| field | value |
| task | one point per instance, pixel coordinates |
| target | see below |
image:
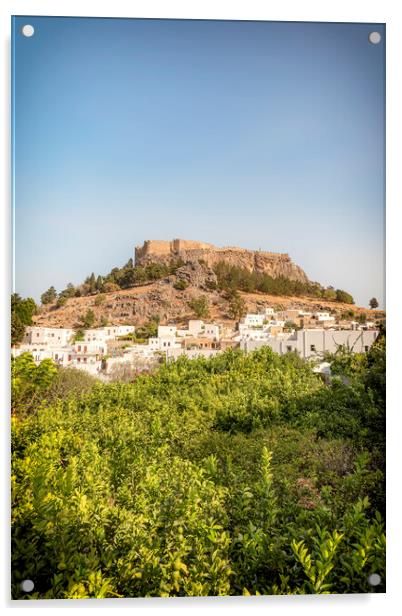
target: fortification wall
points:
(179, 245)
(164, 248)
(274, 264)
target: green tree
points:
(69, 291)
(79, 335)
(344, 297)
(373, 303)
(200, 306)
(111, 287)
(49, 296)
(90, 282)
(237, 306)
(128, 279)
(22, 311)
(17, 329)
(88, 320)
(99, 284)
(329, 294)
(149, 330)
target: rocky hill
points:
(162, 298)
(271, 263)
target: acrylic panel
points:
(198, 308)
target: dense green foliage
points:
(242, 474)
(342, 296)
(237, 307)
(22, 311)
(118, 278)
(49, 296)
(31, 383)
(87, 320)
(148, 330)
(200, 306)
(232, 277)
(128, 276)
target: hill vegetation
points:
(231, 277)
(22, 311)
(241, 474)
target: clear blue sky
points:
(258, 134)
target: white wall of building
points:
(47, 335)
(161, 343)
(195, 327)
(173, 354)
(254, 320)
(314, 342)
(166, 330)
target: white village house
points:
(199, 339)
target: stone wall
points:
(274, 264)
(168, 248)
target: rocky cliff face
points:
(271, 263)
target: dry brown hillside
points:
(160, 298)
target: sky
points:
(264, 135)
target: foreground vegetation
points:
(234, 475)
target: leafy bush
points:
(200, 306)
(100, 299)
(29, 381)
(240, 474)
(180, 284)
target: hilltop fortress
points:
(272, 263)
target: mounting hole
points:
(28, 30)
(374, 38)
(374, 579)
(27, 585)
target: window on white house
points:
(312, 348)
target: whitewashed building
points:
(48, 335)
(61, 355)
(315, 342)
(254, 320)
(102, 334)
(167, 330)
(324, 316)
(173, 354)
(161, 343)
